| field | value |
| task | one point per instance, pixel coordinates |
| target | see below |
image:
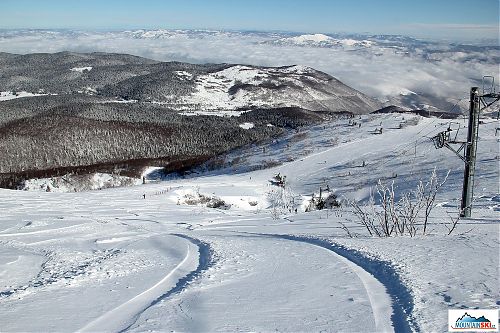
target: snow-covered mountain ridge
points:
(240, 87)
(322, 40)
(181, 86)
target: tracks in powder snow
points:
(390, 300)
(197, 259)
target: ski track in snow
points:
(390, 300)
(124, 316)
(44, 231)
(401, 298)
(228, 294)
(205, 261)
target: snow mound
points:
(183, 75)
(247, 125)
(81, 69)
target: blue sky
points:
(431, 18)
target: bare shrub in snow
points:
(366, 216)
(453, 221)
(278, 180)
(215, 202)
(399, 217)
(321, 202)
(281, 200)
(427, 194)
(208, 201)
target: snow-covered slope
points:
(157, 257)
(8, 95)
(240, 87)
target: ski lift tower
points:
(478, 102)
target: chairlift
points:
(456, 130)
(443, 138)
(488, 85)
(489, 96)
(440, 139)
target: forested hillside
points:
(70, 112)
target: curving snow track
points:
(390, 300)
(123, 316)
(268, 282)
(380, 300)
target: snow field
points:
(213, 90)
(251, 269)
(8, 95)
(81, 69)
(247, 125)
(278, 267)
(124, 315)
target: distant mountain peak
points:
(317, 38)
(322, 40)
